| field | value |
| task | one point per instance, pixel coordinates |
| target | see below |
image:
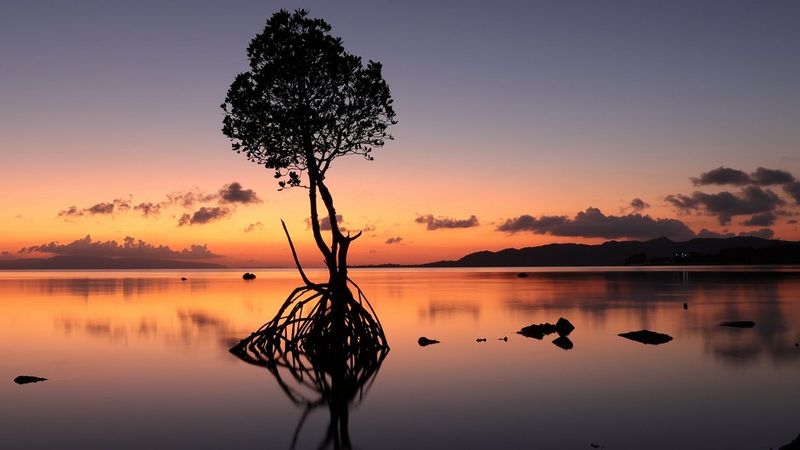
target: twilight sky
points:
(520, 123)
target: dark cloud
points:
(70, 212)
(724, 205)
(253, 227)
(793, 189)
(189, 199)
(766, 219)
(764, 233)
(593, 223)
(394, 240)
(325, 223)
(233, 193)
(204, 215)
(638, 204)
(721, 176)
(100, 208)
(768, 177)
(704, 233)
(129, 248)
(435, 223)
(148, 209)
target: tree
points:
(305, 102)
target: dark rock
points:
(564, 327)
(504, 339)
(685, 306)
(797, 344)
(522, 275)
(738, 324)
(25, 379)
(593, 445)
(794, 445)
(537, 331)
(563, 342)
(423, 341)
(647, 337)
(480, 340)
(249, 276)
(184, 278)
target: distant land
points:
(99, 262)
(661, 251)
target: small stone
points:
(685, 306)
(522, 275)
(564, 327)
(504, 339)
(647, 337)
(738, 324)
(249, 276)
(423, 341)
(25, 379)
(184, 278)
(480, 340)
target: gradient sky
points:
(505, 109)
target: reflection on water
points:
(140, 360)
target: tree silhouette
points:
(304, 102)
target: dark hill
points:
(98, 262)
(737, 250)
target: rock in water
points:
(564, 327)
(249, 276)
(738, 324)
(504, 339)
(647, 337)
(563, 342)
(184, 278)
(537, 331)
(423, 341)
(522, 275)
(685, 306)
(25, 379)
(476, 340)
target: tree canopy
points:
(305, 101)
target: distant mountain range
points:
(99, 262)
(661, 251)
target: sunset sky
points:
(520, 124)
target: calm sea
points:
(139, 360)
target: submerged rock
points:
(480, 340)
(423, 341)
(504, 339)
(564, 327)
(25, 379)
(563, 342)
(685, 306)
(647, 337)
(249, 276)
(184, 278)
(538, 331)
(738, 324)
(522, 275)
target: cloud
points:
(638, 204)
(233, 193)
(593, 223)
(70, 212)
(724, 205)
(721, 176)
(188, 199)
(791, 222)
(436, 223)
(204, 215)
(769, 177)
(325, 223)
(766, 219)
(148, 209)
(128, 248)
(704, 233)
(764, 233)
(100, 208)
(254, 227)
(394, 240)
(793, 189)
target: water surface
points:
(140, 360)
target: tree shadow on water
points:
(317, 359)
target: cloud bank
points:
(128, 248)
(437, 223)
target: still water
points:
(140, 360)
